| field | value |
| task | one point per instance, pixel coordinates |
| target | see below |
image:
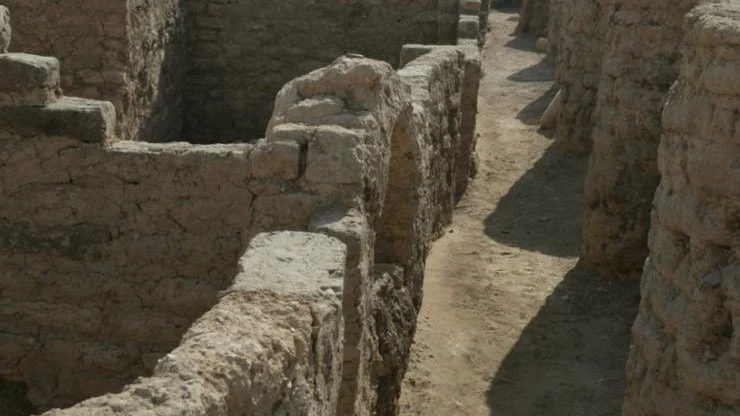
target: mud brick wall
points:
(577, 29)
(127, 52)
(109, 255)
(243, 53)
(686, 339)
(640, 63)
(279, 324)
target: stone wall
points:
(271, 345)
(686, 339)
(242, 53)
(639, 65)
(576, 30)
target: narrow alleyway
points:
(511, 325)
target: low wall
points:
(639, 65)
(686, 339)
(272, 345)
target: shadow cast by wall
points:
(522, 42)
(543, 71)
(570, 359)
(532, 113)
(542, 210)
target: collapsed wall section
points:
(686, 339)
(638, 68)
(106, 232)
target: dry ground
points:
(511, 325)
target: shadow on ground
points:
(570, 359)
(542, 211)
(543, 71)
(533, 111)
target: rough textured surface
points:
(28, 80)
(638, 68)
(5, 29)
(686, 339)
(271, 345)
(577, 29)
(211, 66)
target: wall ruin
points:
(686, 339)
(639, 66)
(577, 32)
(666, 138)
(207, 70)
(138, 240)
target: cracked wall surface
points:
(208, 70)
(533, 17)
(686, 339)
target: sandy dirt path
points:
(511, 324)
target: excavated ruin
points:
(215, 208)
(208, 231)
(665, 163)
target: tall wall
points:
(127, 52)
(533, 17)
(577, 29)
(686, 339)
(642, 50)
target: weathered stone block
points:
(28, 80)
(336, 156)
(276, 159)
(76, 118)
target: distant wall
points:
(242, 53)
(685, 358)
(577, 30)
(128, 52)
(640, 63)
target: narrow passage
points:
(511, 325)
